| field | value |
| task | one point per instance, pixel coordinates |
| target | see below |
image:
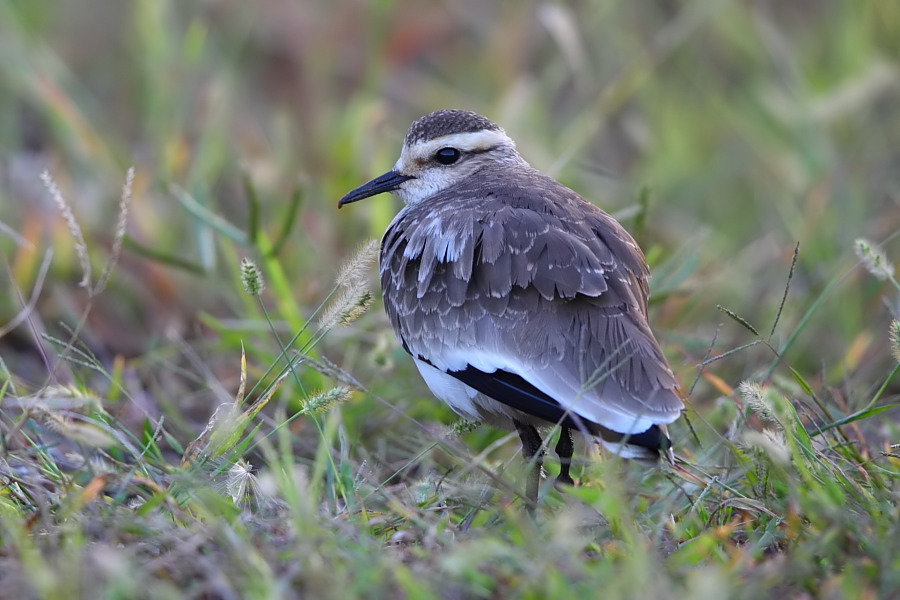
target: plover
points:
(522, 304)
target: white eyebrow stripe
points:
(472, 141)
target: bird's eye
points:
(447, 156)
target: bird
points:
(522, 304)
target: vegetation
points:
(196, 401)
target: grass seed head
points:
(356, 309)
(769, 443)
(894, 330)
(874, 259)
(354, 272)
(758, 400)
(463, 426)
(74, 228)
(325, 400)
(252, 277)
(83, 432)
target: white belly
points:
(464, 400)
(469, 403)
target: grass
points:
(165, 432)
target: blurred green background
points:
(722, 133)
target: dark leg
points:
(564, 449)
(534, 456)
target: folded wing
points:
(538, 304)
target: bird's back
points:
(519, 279)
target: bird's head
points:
(440, 150)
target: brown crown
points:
(447, 122)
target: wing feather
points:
(544, 287)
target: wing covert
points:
(555, 291)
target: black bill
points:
(388, 182)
